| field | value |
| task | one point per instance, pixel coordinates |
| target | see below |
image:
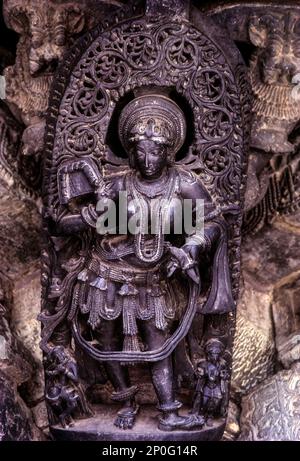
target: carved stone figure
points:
(271, 306)
(274, 66)
(125, 278)
(269, 37)
(274, 73)
(273, 69)
(120, 297)
(212, 390)
(63, 392)
(47, 29)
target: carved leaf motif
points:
(216, 159)
(216, 124)
(111, 70)
(131, 55)
(140, 51)
(181, 53)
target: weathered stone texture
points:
(271, 411)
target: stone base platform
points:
(101, 428)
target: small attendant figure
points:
(211, 394)
(63, 392)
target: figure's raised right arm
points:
(81, 187)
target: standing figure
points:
(125, 297)
(143, 200)
(63, 393)
(211, 394)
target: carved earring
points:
(170, 156)
(131, 157)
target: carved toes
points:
(125, 422)
(126, 418)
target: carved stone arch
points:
(107, 63)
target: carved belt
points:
(125, 274)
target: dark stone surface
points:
(145, 429)
(19, 231)
(14, 422)
(270, 256)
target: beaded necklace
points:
(147, 250)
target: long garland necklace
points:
(158, 209)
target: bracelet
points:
(89, 216)
(200, 240)
(189, 264)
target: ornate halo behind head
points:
(152, 117)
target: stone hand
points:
(180, 259)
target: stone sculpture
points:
(161, 89)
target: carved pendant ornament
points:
(148, 114)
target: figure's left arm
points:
(206, 226)
(206, 229)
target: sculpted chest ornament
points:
(135, 119)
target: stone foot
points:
(126, 417)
